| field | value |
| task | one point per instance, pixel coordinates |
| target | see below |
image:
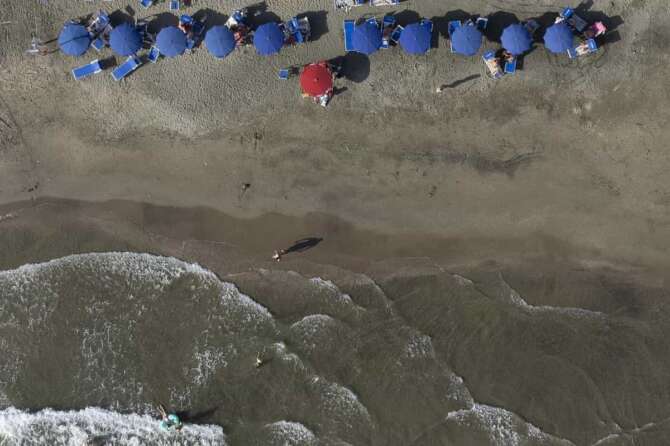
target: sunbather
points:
(595, 30)
(507, 56)
(582, 48)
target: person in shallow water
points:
(170, 421)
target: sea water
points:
(91, 344)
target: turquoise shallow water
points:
(416, 355)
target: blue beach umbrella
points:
(367, 38)
(558, 38)
(415, 39)
(466, 40)
(171, 41)
(125, 40)
(219, 41)
(268, 39)
(74, 40)
(516, 39)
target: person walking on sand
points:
(277, 255)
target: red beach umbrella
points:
(316, 79)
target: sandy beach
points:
(554, 178)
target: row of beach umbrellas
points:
(125, 40)
(465, 40)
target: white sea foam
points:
(98, 427)
(503, 428)
(288, 433)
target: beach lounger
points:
(174, 5)
(126, 68)
(591, 47)
(346, 5)
(98, 44)
(384, 2)
(452, 26)
(372, 21)
(299, 29)
(492, 64)
(349, 35)
(87, 70)
(510, 67)
(427, 24)
(531, 26)
(283, 73)
(571, 17)
(388, 23)
(481, 23)
(153, 55)
(146, 3)
(395, 35)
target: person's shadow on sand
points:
(303, 245)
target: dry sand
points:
(570, 150)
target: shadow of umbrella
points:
(318, 23)
(210, 17)
(162, 20)
(355, 67)
(498, 21)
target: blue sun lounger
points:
(283, 73)
(493, 68)
(87, 70)
(387, 24)
(174, 5)
(98, 44)
(126, 68)
(576, 22)
(452, 26)
(510, 67)
(395, 35)
(427, 24)
(349, 26)
(592, 47)
(146, 3)
(481, 23)
(154, 54)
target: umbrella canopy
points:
(219, 41)
(171, 41)
(415, 39)
(125, 40)
(268, 39)
(516, 39)
(367, 38)
(316, 79)
(466, 40)
(558, 38)
(74, 40)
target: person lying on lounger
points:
(582, 48)
(595, 30)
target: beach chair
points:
(126, 68)
(531, 26)
(571, 17)
(395, 35)
(185, 19)
(510, 66)
(154, 54)
(388, 23)
(481, 23)
(87, 70)
(349, 26)
(582, 50)
(492, 64)
(427, 24)
(283, 73)
(372, 21)
(174, 5)
(98, 44)
(452, 26)
(236, 18)
(146, 3)
(384, 2)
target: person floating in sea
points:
(169, 422)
